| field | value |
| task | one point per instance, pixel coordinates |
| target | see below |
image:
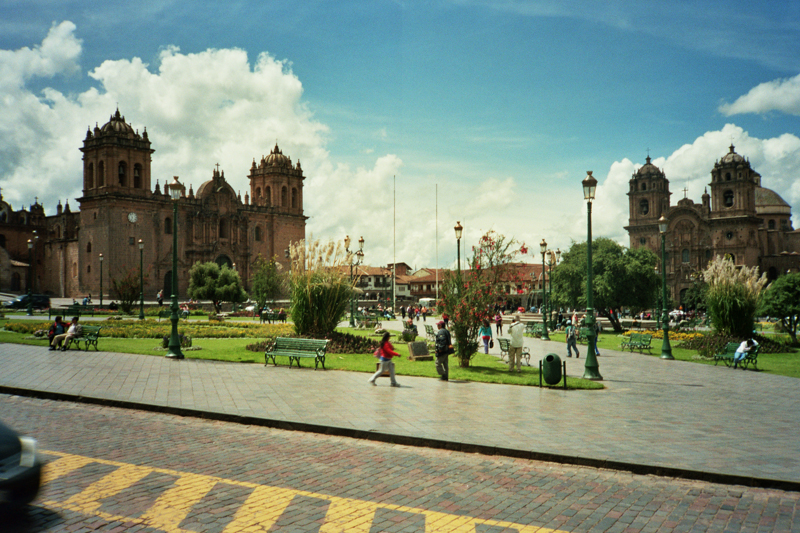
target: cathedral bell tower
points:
(648, 199)
(116, 159)
(733, 186)
(275, 183)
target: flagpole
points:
(437, 243)
(394, 244)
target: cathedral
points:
(736, 217)
(123, 218)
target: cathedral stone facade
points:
(739, 218)
(120, 207)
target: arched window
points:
(2, 241)
(168, 226)
(771, 224)
(644, 186)
(258, 233)
(685, 255)
(90, 176)
(88, 269)
(58, 232)
(258, 195)
(727, 198)
(224, 228)
(294, 198)
(74, 270)
(88, 247)
(268, 196)
(284, 194)
(644, 206)
(727, 176)
(122, 172)
(101, 174)
(137, 176)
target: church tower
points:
(733, 187)
(116, 159)
(648, 199)
(274, 182)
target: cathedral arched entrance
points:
(224, 260)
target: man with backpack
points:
(572, 340)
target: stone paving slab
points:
(655, 416)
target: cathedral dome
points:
(732, 157)
(649, 170)
(770, 202)
(276, 158)
(117, 124)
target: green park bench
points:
(727, 355)
(630, 340)
(68, 311)
(534, 329)
(583, 335)
(89, 336)
(296, 349)
(505, 343)
(430, 333)
(269, 317)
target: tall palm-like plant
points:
(733, 296)
(321, 287)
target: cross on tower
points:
(217, 165)
(685, 191)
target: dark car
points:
(40, 301)
(20, 469)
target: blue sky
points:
(503, 105)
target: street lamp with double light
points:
(141, 281)
(101, 281)
(545, 335)
(174, 349)
(591, 368)
(666, 349)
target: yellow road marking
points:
(260, 511)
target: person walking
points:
(403, 312)
(516, 329)
(444, 347)
(485, 334)
(160, 297)
(572, 340)
(498, 320)
(384, 353)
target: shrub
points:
(732, 296)
(321, 287)
(186, 341)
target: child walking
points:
(385, 353)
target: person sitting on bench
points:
(65, 338)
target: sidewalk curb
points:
(695, 475)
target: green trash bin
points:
(551, 369)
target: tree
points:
(621, 278)
(782, 300)
(321, 287)
(268, 281)
(209, 281)
(733, 296)
(127, 289)
(469, 296)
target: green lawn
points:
(483, 368)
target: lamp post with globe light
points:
(545, 335)
(666, 349)
(591, 368)
(359, 257)
(459, 230)
(101, 281)
(174, 349)
(30, 277)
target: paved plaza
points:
(654, 416)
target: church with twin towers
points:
(121, 206)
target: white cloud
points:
(776, 95)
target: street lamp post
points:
(666, 349)
(545, 335)
(359, 254)
(174, 349)
(555, 259)
(101, 280)
(30, 277)
(591, 368)
(141, 281)
(459, 229)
